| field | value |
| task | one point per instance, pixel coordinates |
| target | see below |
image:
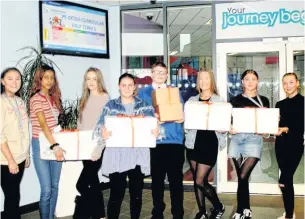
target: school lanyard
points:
(17, 111)
(260, 104)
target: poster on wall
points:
(259, 19)
(73, 29)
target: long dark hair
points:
(4, 72)
(249, 71)
(127, 75)
(54, 91)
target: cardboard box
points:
(167, 104)
(212, 116)
(131, 131)
(170, 95)
(256, 120)
(170, 112)
(78, 145)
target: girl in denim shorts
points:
(246, 148)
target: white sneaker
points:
(284, 216)
(247, 214)
(236, 216)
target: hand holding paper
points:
(105, 134)
(155, 132)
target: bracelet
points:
(54, 145)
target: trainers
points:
(217, 213)
(201, 215)
(237, 216)
(247, 214)
(284, 216)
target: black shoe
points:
(201, 215)
(217, 213)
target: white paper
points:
(244, 120)
(121, 129)
(196, 116)
(267, 120)
(77, 145)
(143, 132)
(220, 117)
(67, 191)
(121, 132)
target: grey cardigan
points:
(190, 135)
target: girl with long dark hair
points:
(15, 141)
(45, 106)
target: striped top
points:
(39, 103)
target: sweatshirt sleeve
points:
(3, 123)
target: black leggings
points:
(89, 187)
(288, 161)
(118, 185)
(202, 187)
(244, 167)
(10, 184)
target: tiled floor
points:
(263, 207)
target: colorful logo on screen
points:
(238, 17)
(56, 21)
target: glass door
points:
(295, 63)
(269, 60)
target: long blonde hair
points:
(213, 83)
(86, 92)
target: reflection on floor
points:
(263, 207)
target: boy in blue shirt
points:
(168, 156)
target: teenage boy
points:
(168, 156)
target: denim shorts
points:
(246, 145)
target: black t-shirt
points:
(241, 102)
(292, 116)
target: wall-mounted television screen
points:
(72, 29)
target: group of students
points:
(167, 158)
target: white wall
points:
(19, 28)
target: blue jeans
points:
(48, 172)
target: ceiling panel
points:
(185, 20)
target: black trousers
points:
(288, 157)
(89, 187)
(118, 185)
(10, 184)
(167, 159)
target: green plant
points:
(68, 118)
(33, 60)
